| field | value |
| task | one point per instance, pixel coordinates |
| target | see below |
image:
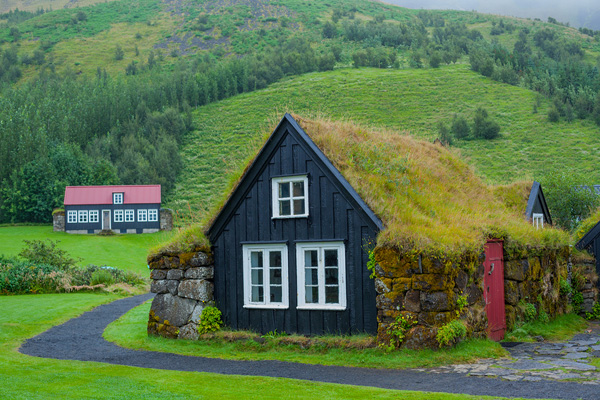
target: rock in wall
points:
(166, 219)
(183, 284)
(58, 221)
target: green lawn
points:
(127, 252)
(408, 101)
(25, 377)
(130, 331)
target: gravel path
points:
(81, 339)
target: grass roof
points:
(429, 199)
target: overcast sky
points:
(578, 13)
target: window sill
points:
(267, 306)
(322, 308)
(290, 216)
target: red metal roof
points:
(132, 194)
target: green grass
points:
(409, 101)
(562, 328)
(25, 377)
(127, 252)
(130, 331)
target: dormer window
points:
(117, 198)
(538, 220)
(290, 196)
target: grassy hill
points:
(409, 101)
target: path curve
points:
(81, 339)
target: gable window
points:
(321, 276)
(265, 276)
(72, 217)
(290, 196)
(82, 216)
(153, 215)
(118, 215)
(129, 215)
(538, 220)
(142, 215)
(94, 216)
(117, 198)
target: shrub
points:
(451, 332)
(444, 134)
(553, 115)
(483, 126)
(529, 311)
(102, 277)
(21, 277)
(595, 314)
(46, 252)
(565, 287)
(397, 330)
(460, 127)
(210, 320)
(543, 317)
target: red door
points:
(493, 291)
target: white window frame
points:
(537, 219)
(142, 215)
(275, 195)
(82, 216)
(129, 215)
(118, 216)
(300, 272)
(266, 303)
(152, 215)
(72, 217)
(94, 217)
(118, 198)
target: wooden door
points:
(105, 219)
(493, 291)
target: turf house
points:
(117, 208)
(537, 210)
(334, 228)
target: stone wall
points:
(58, 221)
(584, 271)
(183, 284)
(166, 219)
(426, 289)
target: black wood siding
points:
(331, 216)
(116, 226)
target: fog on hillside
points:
(578, 13)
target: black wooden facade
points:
(335, 213)
(119, 227)
(536, 204)
(591, 242)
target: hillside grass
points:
(34, 5)
(408, 101)
(25, 377)
(126, 252)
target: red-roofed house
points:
(120, 208)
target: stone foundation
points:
(426, 289)
(587, 282)
(183, 284)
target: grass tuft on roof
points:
(429, 200)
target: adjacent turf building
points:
(337, 228)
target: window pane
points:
(331, 258)
(298, 189)
(275, 259)
(312, 294)
(331, 276)
(275, 276)
(276, 294)
(256, 260)
(311, 276)
(257, 293)
(298, 207)
(284, 207)
(284, 190)
(332, 294)
(311, 258)
(256, 276)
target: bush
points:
(460, 127)
(451, 332)
(444, 134)
(210, 320)
(22, 277)
(397, 331)
(102, 277)
(553, 115)
(483, 126)
(46, 252)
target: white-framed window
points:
(290, 196)
(72, 217)
(321, 275)
(94, 216)
(82, 216)
(538, 220)
(117, 198)
(153, 215)
(142, 215)
(266, 283)
(118, 215)
(129, 215)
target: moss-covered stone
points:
(511, 292)
(401, 284)
(511, 316)
(432, 282)
(515, 270)
(435, 266)
(420, 337)
(412, 301)
(383, 285)
(435, 318)
(438, 301)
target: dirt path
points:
(81, 339)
